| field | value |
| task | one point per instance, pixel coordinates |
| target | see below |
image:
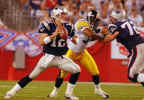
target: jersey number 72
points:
(130, 27)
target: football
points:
(64, 36)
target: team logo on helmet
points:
(118, 14)
(91, 15)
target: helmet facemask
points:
(91, 16)
(60, 14)
(56, 13)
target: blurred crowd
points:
(134, 9)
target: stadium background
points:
(19, 18)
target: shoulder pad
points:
(70, 29)
(46, 24)
(69, 25)
(112, 28)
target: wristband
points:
(47, 40)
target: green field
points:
(39, 91)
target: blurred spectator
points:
(129, 4)
(134, 16)
(22, 2)
(75, 15)
(104, 12)
(85, 7)
(77, 3)
(35, 7)
(97, 3)
(79, 8)
(2, 24)
(140, 3)
(35, 4)
(69, 5)
(142, 14)
(49, 5)
(65, 3)
(83, 10)
(90, 5)
(116, 5)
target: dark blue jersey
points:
(128, 35)
(57, 46)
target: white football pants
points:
(136, 64)
(48, 61)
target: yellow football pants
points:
(85, 60)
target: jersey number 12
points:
(58, 43)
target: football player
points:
(125, 33)
(53, 39)
(86, 31)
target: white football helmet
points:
(56, 12)
(118, 14)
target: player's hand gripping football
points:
(61, 30)
(58, 29)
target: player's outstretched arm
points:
(98, 36)
(110, 37)
(87, 31)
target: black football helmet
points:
(92, 16)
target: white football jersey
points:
(81, 39)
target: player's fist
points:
(104, 30)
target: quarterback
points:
(54, 48)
